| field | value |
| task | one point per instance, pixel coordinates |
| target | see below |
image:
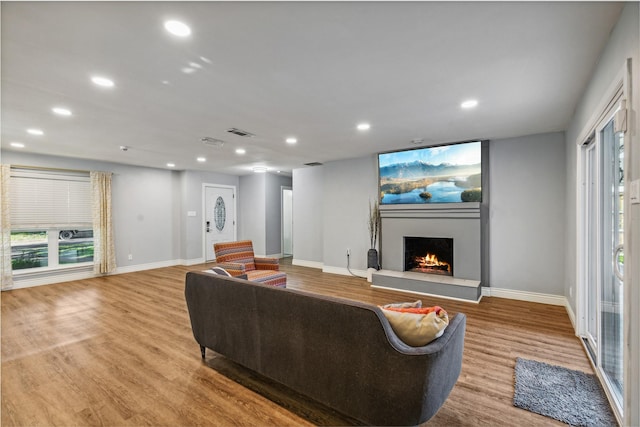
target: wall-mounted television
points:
(449, 173)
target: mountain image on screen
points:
(444, 174)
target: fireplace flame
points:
(432, 261)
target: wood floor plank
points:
(119, 350)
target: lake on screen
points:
(441, 192)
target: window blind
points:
(50, 199)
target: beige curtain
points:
(6, 275)
(104, 255)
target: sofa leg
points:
(203, 349)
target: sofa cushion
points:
(417, 326)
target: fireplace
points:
(432, 255)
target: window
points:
(51, 222)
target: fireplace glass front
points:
(432, 255)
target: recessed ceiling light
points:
(207, 60)
(201, 159)
(165, 82)
(291, 140)
(240, 151)
(35, 132)
(17, 144)
(364, 126)
(102, 81)
(470, 103)
(177, 28)
(171, 165)
(259, 169)
(194, 65)
(61, 111)
(188, 70)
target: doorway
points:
(287, 221)
(601, 306)
(219, 222)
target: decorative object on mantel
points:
(374, 230)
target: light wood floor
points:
(119, 351)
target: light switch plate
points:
(191, 213)
(634, 192)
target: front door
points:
(219, 217)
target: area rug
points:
(573, 397)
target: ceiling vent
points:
(313, 164)
(207, 140)
(240, 132)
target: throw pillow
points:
(221, 271)
(414, 304)
(417, 326)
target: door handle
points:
(208, 228)
(616, 264)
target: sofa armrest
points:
(234, 268)
(267, 263)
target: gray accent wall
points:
(623, 43)
(273, 211)
(308, 222)
(192, 227)
(349, 186)
(527, 213)
(260, 211)
(149, 207)
(251, 211)
(146, 205)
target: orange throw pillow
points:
(417, 326)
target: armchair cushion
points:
(267, 263)
(240, 252)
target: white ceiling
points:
(312, 70)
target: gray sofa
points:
(338, 352)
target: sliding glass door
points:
(603, 255)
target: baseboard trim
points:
(571, 314)
(193, 261)
(148, 266)
(489, 291)
(50, 279)
(304, 263)
(344, 272)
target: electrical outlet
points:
(130, 257)
(348, 251)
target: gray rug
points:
(573, 397)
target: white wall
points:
(308, 223)
(527, 213)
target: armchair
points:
(238, 259)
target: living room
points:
(532, 194)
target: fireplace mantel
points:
(459, 221)
(440, 210)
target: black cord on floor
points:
(349, 269)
